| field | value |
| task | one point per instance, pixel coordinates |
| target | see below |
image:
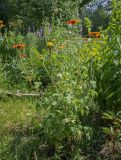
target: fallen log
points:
(19, 94)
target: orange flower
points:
(19, 46)
(23, 56)
(73, 21)
(94, 34)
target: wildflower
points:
(23, 56)
(50, 44)
(14, 46)
(61, 46)
(73, 21)
(94, 34)
(97, 34)
(19, 46)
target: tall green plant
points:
(108, 72)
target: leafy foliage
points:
(78, 112)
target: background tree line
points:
(26, 13)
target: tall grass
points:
(17, 118)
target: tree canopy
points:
(34, 11)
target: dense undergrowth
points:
(78, 115)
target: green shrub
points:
(108, 70)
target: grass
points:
(15, 113)
(17, 120)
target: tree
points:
(33, 12)
(99, 13)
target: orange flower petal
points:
(72, 22)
